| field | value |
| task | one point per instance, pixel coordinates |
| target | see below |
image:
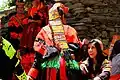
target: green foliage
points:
(7, 4)
(11, 3)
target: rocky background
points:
(94, 18)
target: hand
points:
(51, 52)
(30, 20)
(83, 68)
(29, 78)
(96, 78)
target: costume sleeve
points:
(73, 42)
(33, 72)
(71, 35)
(36, 66)
(39, 43)
(106, 69)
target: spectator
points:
(115, 58)
(96, 66)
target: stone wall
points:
(94, 18)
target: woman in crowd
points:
(115, 58)
(96, 66)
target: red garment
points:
(63, 69)
(15, 23)
(32, 28)
(30, 31)
(115, 77)
(27, 61)
(46, 35)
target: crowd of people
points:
(39, 45)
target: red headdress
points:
(20, 3)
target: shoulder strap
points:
(18, 22)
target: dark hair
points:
(99, 57)
(116, 49)
(20, 1)
(60, 11)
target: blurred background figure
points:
(83, 51)
(115, 58)
(9, 63)
(37, 18)
(114, 38)
(15, 25)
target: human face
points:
(20, 9)
(92, 51)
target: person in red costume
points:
(37, 18)
(15, 25)
(54, 45)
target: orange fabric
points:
(115, 77)
(115, 38)
(33, 73)
(33, 10)
(46, 35)
(32, 28)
